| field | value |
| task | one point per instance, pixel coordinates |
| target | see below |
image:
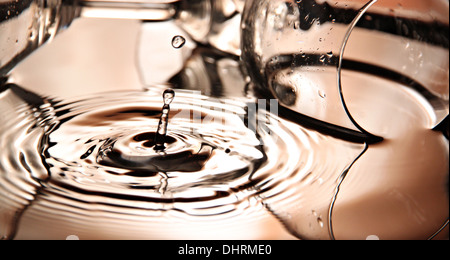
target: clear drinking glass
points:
(376, 68)
(306, 53)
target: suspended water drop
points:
(178, 41)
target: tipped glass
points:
(321, 59)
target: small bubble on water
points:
(178, 41)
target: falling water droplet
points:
(178, 41)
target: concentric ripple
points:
(222, 159)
